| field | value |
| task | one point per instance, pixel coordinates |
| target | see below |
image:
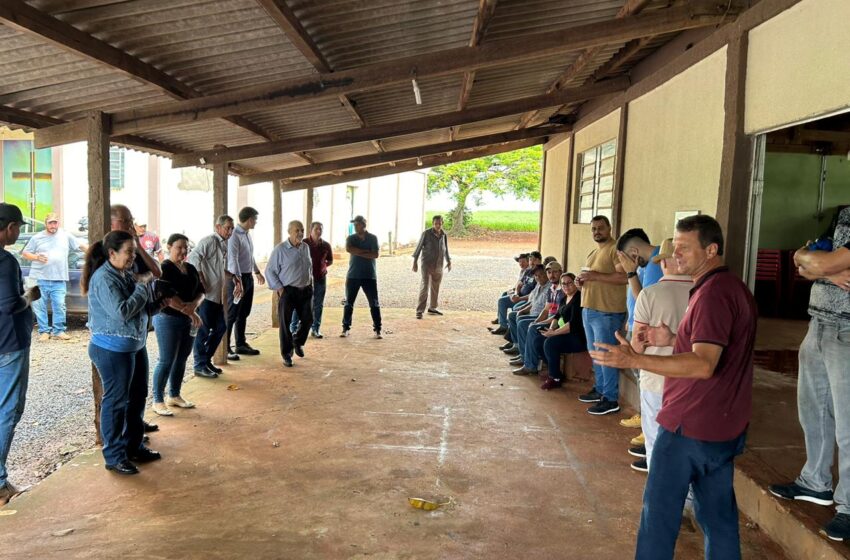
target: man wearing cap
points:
(15, 334)
(504, 302)
(48, 251)
(149, 241)
(362, 274)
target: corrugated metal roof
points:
(397, 103)
(514, 18)
(514, 81)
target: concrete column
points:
(277, 217)
(154, 190)
(219, 208)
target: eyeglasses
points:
(567, 283)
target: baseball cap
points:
(665, 251)
(359, 219)
(535, 255)
(10, 213)
(51, 217)
(554, 264)
(521, 256)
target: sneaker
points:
(317, 334)
(179, 402)
(418, 315)
(516, 361)
(62, 336)
(839, 528)
(378, 334)
(512, 351)
(8, 492)
(524, 371)
(592, 396)
(604, 407)
(550, 384)
(44, 337)
(299, 351)
(639, 440)
(639, 451)
(506, 346)
(435, 311)
(794, 491)
(640, 465)
(216, 370)
(161, 409)
(232, 357)
(345, 333)
(633, 422)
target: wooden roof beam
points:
(401, 128)
(401, 155)
(286, 20)
(486, 10)
(698, 13)
(358, 118)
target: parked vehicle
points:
(75, 302)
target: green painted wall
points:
(790, 202)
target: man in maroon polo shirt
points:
(323, 257)
(707, 399)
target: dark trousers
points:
(125, 389)
(320, 286)
(554, 346)
(293, 300)
(237, 313)
(370, 289)
(680, 462)
(174, 336)
(210, 332)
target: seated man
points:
(528, 357)
(522, 317)
(519, 295)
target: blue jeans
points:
(522, 325)
(125, 389)
(14, 376)
(370, 289)
(823, 391)
(680, 462)
(319, 289)
(533, 349)
(210, 332)
(503, 305)
(173, 334)
(554, 346)
(53, 294)
(601, 327)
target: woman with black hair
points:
(175, 327)
(119, 313)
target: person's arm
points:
(329, 260)
(842, 280)
(543, 315)
(448, 256)
(618, 278)
(629, 266)
(273, 269)
(366, 254)
(11, 301)
(150, 262)
(233, 250)
(821, 264)
(28, 252)
(127, 307)
(418, 249)
(700, 363)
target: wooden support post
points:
(97, 136)
(308, 209)
(277, 217)
(219, 208)
(620, 169)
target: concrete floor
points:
(318, 462)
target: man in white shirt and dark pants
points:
(290, 274)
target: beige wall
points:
(798, 65)
(554, 211)
(673, 148)
(580, 241)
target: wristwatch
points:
(631, 274)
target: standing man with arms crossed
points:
(290, 274)
(707, 402)
(15, 338)
(210, 258)
(240, 264)
(48, 251)
(362, 273)
(434, 248)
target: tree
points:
(517, 173)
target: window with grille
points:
(116, 167)
(595, 180)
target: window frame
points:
(117, 167)
(595, 182)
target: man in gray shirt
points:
(434, 248)
(210, 258)
(48, 251)
(290, 274)
(362, 273)
(240, 264)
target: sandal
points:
(180, 403)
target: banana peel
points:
(426, 505)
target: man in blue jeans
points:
(823, 386)
(15, 335)
(362, 274)
(322, 255)
(603, 299)
(707, 402)
(48, 251)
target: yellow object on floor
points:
(639, 440)
(633, 422)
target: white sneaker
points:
(378, 334)
(345, 333)
(161, 409)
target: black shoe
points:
(299, 351)
(794, 491)
(517, 361)
(639, 451)
(145, 455)
(205, 372)
(839, 528)
(512, 351)
(246, 350)
(145, 439)
(592, 396)
(150, 427)
(506, 345)
(287, 360)
(640, 465)
(500, 330)
(434, 312)
(233, 356)
(495, 321)
(214, 369)
(604, 407)
(124, 467)
(418, 315)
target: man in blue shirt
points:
(240, 266)
(362, 273)
(15, 335)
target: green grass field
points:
(499, 221)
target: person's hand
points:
(237, 290)
(842, 280)
(196, 320)
(261, 280)
(514, 298)
(449, 266)
(800, 251)
(415, 266)
(587, 276)
(627, 263)
(33, 294)
(621, 356)
(660, 336)
(145, 278)
(547, 332)
(42, 258)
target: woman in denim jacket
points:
(119, 313)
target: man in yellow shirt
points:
(603, 298)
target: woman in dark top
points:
(175, 326)
(565, 334)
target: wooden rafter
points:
(359, 119)
(401, 128)
(401, 155)
(698, 13)
(25, 18)
(428, 161)
(630, 8)
(624, 55)
(486, 9)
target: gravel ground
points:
(57, 421)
